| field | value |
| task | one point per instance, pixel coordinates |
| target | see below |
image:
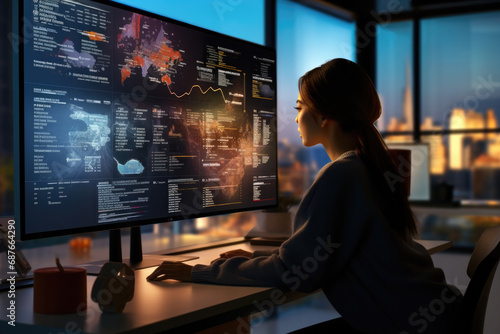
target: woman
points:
(353, 230)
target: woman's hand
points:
(171, 270)
(233, 253)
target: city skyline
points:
(469, 161)
(456, 153)
(459, 65)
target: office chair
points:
(481, 269)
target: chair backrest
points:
(481, 269)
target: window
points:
(459, 101)
(461, 91)
(238, 18)
(460, 71)
(306, 38)
(394, 77)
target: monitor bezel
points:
(20, 123)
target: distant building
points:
(408, 100)
(455, 142)
(491, 123)
(396, 125)
(464, 148)
(436, 147)
(494, 145)
(486, 177)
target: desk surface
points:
(157, 306)
(464, 210)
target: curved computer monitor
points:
(129, 118)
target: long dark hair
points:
(341, 90)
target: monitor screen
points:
(130, 118)
(420, 188)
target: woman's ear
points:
(324, 121)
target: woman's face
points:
(309, 123)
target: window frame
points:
(416, 16)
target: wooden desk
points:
(158, 306)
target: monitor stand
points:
(137, 260)
(272, 229)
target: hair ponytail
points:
(373, 151)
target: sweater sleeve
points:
(265, 252)
(308, 256)
(258, 271)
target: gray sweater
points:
(342, 244)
